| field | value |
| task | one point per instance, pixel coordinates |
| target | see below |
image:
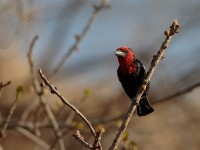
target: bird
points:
(131, 73)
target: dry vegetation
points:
(37, 113)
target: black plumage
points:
(131, 83)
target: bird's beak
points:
(120, 53)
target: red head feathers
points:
(126, 59)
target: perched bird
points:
(131, 73)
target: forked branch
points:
(54, 90)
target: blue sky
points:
(137, 24)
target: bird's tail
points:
(144, 108)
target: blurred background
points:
(88, 78)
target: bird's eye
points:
(126, 51)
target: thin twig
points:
(29, 55)
(98, 138)
(55, 91)
(71, 114)
(32, 104)
(2, 85)
(183, 91)
(80, 37)
(174, 28)
(80, 138)
(40, 95)
(108, 119)
(11, 112)
(33, 138)
(30, 125)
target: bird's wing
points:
(140, 66)
(142, 71)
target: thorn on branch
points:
(42, 84)
(52, 91)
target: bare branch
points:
(55, 91)
(32, 104)
(30, 125)
(33, 138)
(11, 112)
(108, 119)
(71, 114)
(29, 55)
(174, 28)
(183, 91)
(98, 138)
(40, 95)
(80, 138)
(2, 85)
(80, 37)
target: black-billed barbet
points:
(131, 73)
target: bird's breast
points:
(130, 83)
